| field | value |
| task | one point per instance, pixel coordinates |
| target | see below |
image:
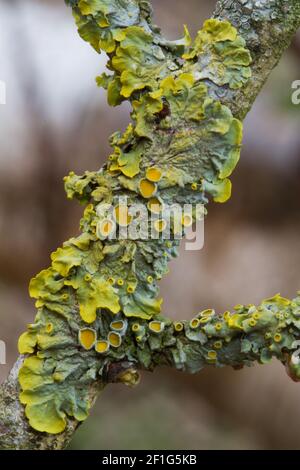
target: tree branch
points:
(98, 317)
(268, 27)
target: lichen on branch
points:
(98, 304)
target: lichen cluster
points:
(98, 303)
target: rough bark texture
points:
(15, 432)
(267, 26)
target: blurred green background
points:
(56, 120)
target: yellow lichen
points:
(135, 327)
(277, 337)
(154, 205)
(226, 315)
(153, 174)
(178, 326)
(49, 328)
(119, 325)
(212, 355)
(130, 377)
(147, 188)
(105, 228)
(87, 338)
(187, 220)
(114, 339)
(194, 323)
(102, 346)
(204, 319)
(122, 215)
(160, 225)
(156, 326)
(173, 116)
(27, 342)
(207, 312)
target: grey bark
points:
(268, 27)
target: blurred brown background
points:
(56, 120)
